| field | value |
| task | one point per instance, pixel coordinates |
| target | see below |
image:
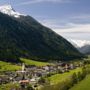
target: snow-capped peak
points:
(79, 43)
(7, 9)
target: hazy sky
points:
(69, 18)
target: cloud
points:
(78, 31)
(75, 28)
(40, 1)
(82, 16)
(69, 30)
(56, 23)
(77, 25)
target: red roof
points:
(24, 81)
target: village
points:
(33, 75)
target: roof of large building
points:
(24, 81)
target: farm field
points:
(83, 85)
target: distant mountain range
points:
(82, 45)
(23, 36)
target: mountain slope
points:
(85, 49)
(82, 45)
(25, 37)
(79, 43)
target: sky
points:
(69, 18)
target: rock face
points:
(25, 37)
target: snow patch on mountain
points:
(7, 9)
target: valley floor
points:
(55, 78)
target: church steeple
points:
(23, 67)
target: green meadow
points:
(5, 66)
(54, 79)
(32, 62)
(9, 86)
(83, 85)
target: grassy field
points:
(31, 62)
(4, 66)
(61, 77)
(9, 86)
(83, 85)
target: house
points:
(23, 83)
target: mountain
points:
(7, 9)
(85, 49)
(23, 36)
(82, 45)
